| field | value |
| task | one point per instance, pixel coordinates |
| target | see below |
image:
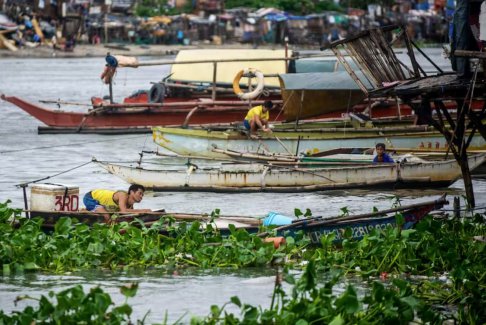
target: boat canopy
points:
(311, 94)
(226, 71)
(339, 80)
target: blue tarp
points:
(276, 17)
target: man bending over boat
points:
(257, 117)
(381, 155)
(101, 200)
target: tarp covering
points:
(339, 80)
(312, 94)
(226, 71)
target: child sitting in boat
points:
(257, 117)
(381, 155)
(101, 200)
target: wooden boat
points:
(255, 177)
(360, 225)
(113, 116)
(202, 142)
(91, 218)
(316, 227)
(188, 96)
(334, 156)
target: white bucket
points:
(53, 197)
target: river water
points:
(26, 156)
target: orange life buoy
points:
(255, 92)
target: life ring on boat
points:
(255, 92)
(156, 93)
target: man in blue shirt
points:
(381, 156)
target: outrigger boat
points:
(133, 117)
(258, 177)
(351, 227)
(206, 87)
(208, 142)
(333, 156)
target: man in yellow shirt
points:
(258, 116)
(101, 200)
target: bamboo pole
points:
(165, 62)
(162, 214)
(187, 103)
(215, 70)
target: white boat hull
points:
(259, 177)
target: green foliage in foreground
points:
(74, 307)
(308, 303)
(435, 247)
(73, 246)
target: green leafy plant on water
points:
(74, 306)
(299, 214)
(433, 248)
(436, 247)
(72, 246)
(307, 303)
(311, 303)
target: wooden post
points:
(286, 54)
(399, 111)
(466, 176)
(215, 70)
(457, 206)
(300, 109)
(24, 191)
(456, 143)
(110, 87)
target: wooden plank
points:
(470, 54)
(37, 29)
(7, 44)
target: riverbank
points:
(100, 50)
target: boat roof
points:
(322, 64)
(339, 80)
(226, 71)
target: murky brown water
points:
(27, 156)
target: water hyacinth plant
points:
(74, 306)
(73, 246)
(407, 273)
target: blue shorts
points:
(246, 123)
(90, 203)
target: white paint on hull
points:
(259, 177)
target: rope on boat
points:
(70, 144)
(51, 176)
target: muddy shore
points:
(84, 50)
